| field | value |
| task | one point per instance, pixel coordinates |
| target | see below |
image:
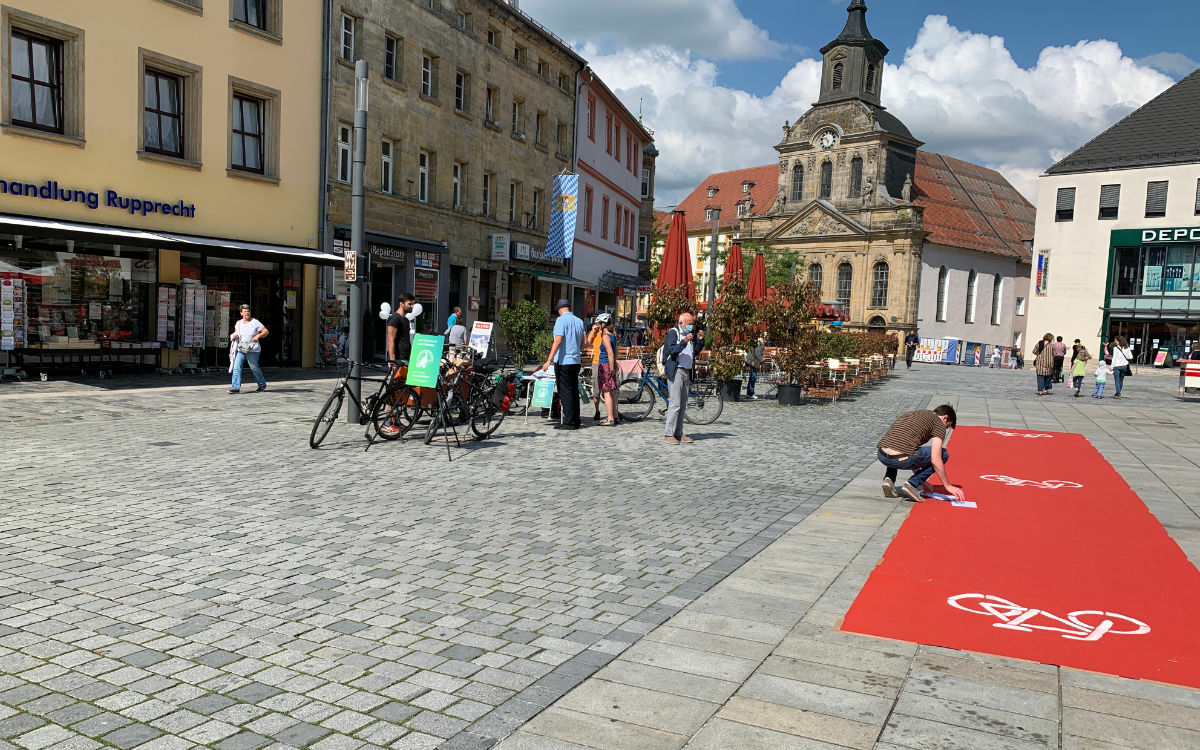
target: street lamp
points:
(357, 232)
(712, 258)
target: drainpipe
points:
(326, 93)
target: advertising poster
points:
(481, 336)
(1042, 273)
(543, 394)
(425, 361)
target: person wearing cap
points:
(566, 356)
(594, 336)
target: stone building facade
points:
(471, 114)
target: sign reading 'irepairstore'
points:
(50, 190)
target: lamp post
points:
(712, 259)
(357, 231)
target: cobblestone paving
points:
(179, 569)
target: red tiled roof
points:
(971, 207)
(765, 181)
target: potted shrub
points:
(725, 365)
(521, 323)
(732, 323)
(787, 313)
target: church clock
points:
(827, 140)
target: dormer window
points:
(837, 76)
(746, 185)
(712, 191)
(709, 214)
(742, 209)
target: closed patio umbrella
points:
(757, 288)
(676, 268)
(734, 268)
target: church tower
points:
(853, 62)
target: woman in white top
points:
(1122, 357)
(247, 332)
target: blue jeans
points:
(250, 358)
(752, 381)
(1045, 382)
(919, 463)
(1118, 374)
(1099, 392)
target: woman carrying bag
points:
(1043, 364)
(247, 332)
(1122, 356)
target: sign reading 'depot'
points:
(50, 190)
(1171, 234)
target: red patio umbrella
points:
(734, 268)
(676, 267)
(758, 277)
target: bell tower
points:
(853, 62)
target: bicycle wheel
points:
(329, 414)
(400, 407)
(705, 402)
(635, 399)
(485, 417)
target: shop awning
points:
(550, 275)
(120, 235)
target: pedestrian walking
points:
(755, 358)
(680, 349)
(911, 342)
(1118, 349)
(455, 317)
(1102, 371)
(1060, 354)
(1043, 364)
(1079, 367)
(594, 336)
(606, 369)
(566, 356)
(247, 332)
(456, 335)
(995, 358)
(903, 447)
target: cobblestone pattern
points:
(179, 569)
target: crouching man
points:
(903, 446)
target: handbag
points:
(245, 347)
(1128, 371)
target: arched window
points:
(855, 177)
(798, 183)
(879, 284)
(876, 322)
(815, 272)
(942, 291)
(871, 77)
(972, 283)
(844, 281)
(837, 76)
(826, 179)
(997, 288)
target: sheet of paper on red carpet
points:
(1061, 563)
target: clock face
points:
(828, 140)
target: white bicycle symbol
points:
(1040, 484)
(1081, 625)
(1017, 434)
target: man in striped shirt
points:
(903, 447)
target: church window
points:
(856, 167)
(972, 284)
(826, 179)
(876, 322)
(815, 272)
(837, 76)
(942, 292)
(871, 78)
(798, 183)
(879, 284)
(997, 288)
(844, 281)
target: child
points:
(1077, 368)
(1101, 376)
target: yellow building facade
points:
(159, 166)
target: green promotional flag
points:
(543, 394)
(425, 361)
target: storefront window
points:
(1127, 272)
(1177, 273)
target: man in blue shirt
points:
(565, 356)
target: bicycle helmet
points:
(604, 318)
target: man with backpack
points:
(679, 353)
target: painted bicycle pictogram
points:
(1038, 484)
(1004, 433)
(1081, 625)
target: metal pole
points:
(357, 230)
(712, 259)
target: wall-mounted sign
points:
(386, 252)
(425, 259)
(500, 246)
(425, 284)
(1171, 234)
(1042, 274)
(350, 258)
(521, 251)
(50, 190)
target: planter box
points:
(732, 389)
(789, 395)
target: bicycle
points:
(636, 396)
(366, 407)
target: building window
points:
(461, 87)
(562, 137)
(1198, 197)
(608, 123)
(942, 291)
(712, 192)
(618, 216)
(37, 88)
(871, 77)
(543, 69)
(514, 211)
(815, 274)
(646, 183)
(1156, 199)
(826, 179)
(587, 209)
(456, 178)
(856, 167)
(251, 13)
(837, 76)
(591, 119)
(429, 66)
(539, 130)
(248, 134)
(876, 322)
(604, 217)
(563, 81)
(343, 153)
(741, 209)
(487, 194)
(630, 145)
(162, 118)
(617, 141)
(489, 106)
(1064, 206)
(643, 246)
(386, 183)
(797, 183)
(518, 117)
(845, 280)
(709, 214)
(535, 216)
(1020, 309)
(997, 288)
(493, 37)
(1110, 201)
(972, 285)
(423, 162)
(879, 285)
(348, 22)
(520, 55)
(393, 51)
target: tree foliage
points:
(521, 325)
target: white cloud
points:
(960, 92)
(1171, 63)
(715, 29)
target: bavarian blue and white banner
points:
(561, 243)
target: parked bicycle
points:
(367, 408)
(636, 397)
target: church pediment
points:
(818, 219)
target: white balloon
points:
(417, 310)
(385, 310)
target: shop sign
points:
(386, 252)
(425, 284)
(1171, 234)
(645, 289)
(522, 251)
(539, 254)
(425, 259)
(50, 190)
(424, 362)
(1042, 273)
(350, 258)
(481, 336)
(500, 246)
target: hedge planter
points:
(789, 395)
(732, 389)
